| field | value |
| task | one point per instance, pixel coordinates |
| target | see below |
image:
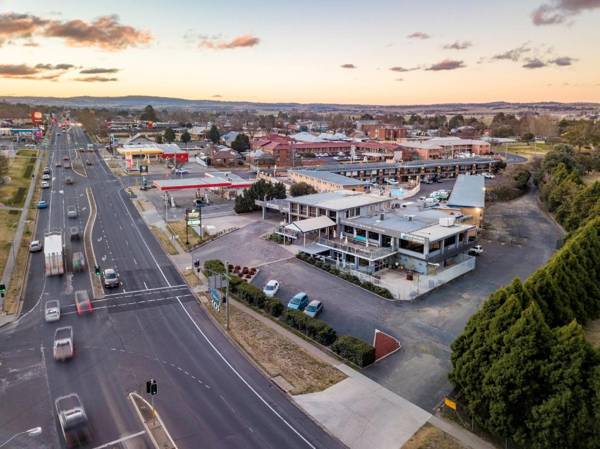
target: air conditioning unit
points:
(447, 221)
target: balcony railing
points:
(356, 249)
(451, 252)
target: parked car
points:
(271, 288)
(489, 175)
(476, 250)
(88, 162)
(41, 204)
(46, 170)
(181, 171)
(391, 181)
(58, 164)
(52, 310)
(313, 308)
(65, 158)
(35, 246)
(67, 165)
(72, 212)
(68, 180)
(110, 278)
(74, 232)
(45, 184)
(46, 176)
(298, 302)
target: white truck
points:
(72, 419)
(63, 344)
(54, 253)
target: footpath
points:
(357, 410)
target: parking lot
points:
(523, 238)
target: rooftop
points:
(332, 178)
(468, 191)
(340, 200)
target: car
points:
(52, 310)
(271, 288)
(46, 177)
(68, 180)
(72, 212)
(110, 278)
(489, 176)
(391, 181)
(66, 165)
(298, 302)
(476, 250)
(336, 158)
(65, 158)
(313, 308)
(42, 204)
(82, 302)
(35, 246)
(88, 162)
(181, 171)
(46, 170)
(58, 164)
(45, 184)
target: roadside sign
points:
(192, 217)
(143, 169)
(215, 297)
(450, 403)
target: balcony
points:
(450, 252)
(370, 252)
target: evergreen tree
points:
(185, 137)
(169, 135)
(214, 135)
(149, 114)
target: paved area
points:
(523, 239)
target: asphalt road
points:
(210, 395)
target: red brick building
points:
(384, 132)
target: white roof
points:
(311, 224)
(438, 232)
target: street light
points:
(31, 432)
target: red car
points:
(83, 303)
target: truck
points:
(54, 253)
(62, 348)
(72, 419)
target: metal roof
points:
(332, 178)
(340, 200)
(468, 191)
(311, 224)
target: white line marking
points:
(146, 286)
(131, 292)
(256, 393)
(120, 440)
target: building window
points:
(450, 241)
(373, 236)
(386, 241)
(435, 246)
(412, 246)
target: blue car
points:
(298, 302)
(42, 204)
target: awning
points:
(313, 249)
(311, 224)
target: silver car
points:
(72, 212)
(52, 310)
(313, 308)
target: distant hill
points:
(140, 101)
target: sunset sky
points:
(377, 52)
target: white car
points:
(35, 246)
(45, 184)
(181, 171)
(52, 310)
(313, 308)
(489, 175)
(476, 250)
(46, 177)
(271, 288)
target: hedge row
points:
(313, 328)
(350, 348)
(381, 291)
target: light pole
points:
(31, 432)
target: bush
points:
(214, 265)
(251, 294)
(274, 307)
(313, 328)
(354, 350)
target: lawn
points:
(164, 240)
(277, 355)
(529, 151)
(430, 437)
(8, 226)
(20, 169)
(178, 228)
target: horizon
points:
(383, 53)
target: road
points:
(150, 327)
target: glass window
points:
(412, 246)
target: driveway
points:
(523, 239)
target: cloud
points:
(348, 66)
(97, 71)
(54, 67)
(104, 32)
(562, 61)
(403, 69)
(558, 11)
(217, 96)
(96, 79)
(418, 35)
(446, 64)
(399, 79)
(17, 70)
(534, 63)
(245, 40)
(512, 55)
(37, 72)
(458, 45)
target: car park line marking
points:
(244, 381)
(121, 440)
(146, 286)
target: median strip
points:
(90, 255)
(153, 424)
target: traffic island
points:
(154, 426)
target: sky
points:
(377, 52)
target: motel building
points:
(145, 153)
(370, 234)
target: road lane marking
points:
(250, 387)
(145, 285)
(132, 292)
(121, 440)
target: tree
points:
(301, 189)
(260, 190)
(159, 138)
(241, 143)
(456, 121)
(214, 135)
(528, 137)
(169, 135)
(185, 137)
(149, 114)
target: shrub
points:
(354, 350)
(234, 283)
(274, 307)
(313, 328)
(214, 265)
(251, 294)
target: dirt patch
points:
(277, 355)
(591, 178)
(164, 240)
(592, 333)
(178, 228)
(430, 437)
(191, 278)
(8, 225)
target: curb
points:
(146, 428)
(87, 237)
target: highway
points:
(209, 394)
